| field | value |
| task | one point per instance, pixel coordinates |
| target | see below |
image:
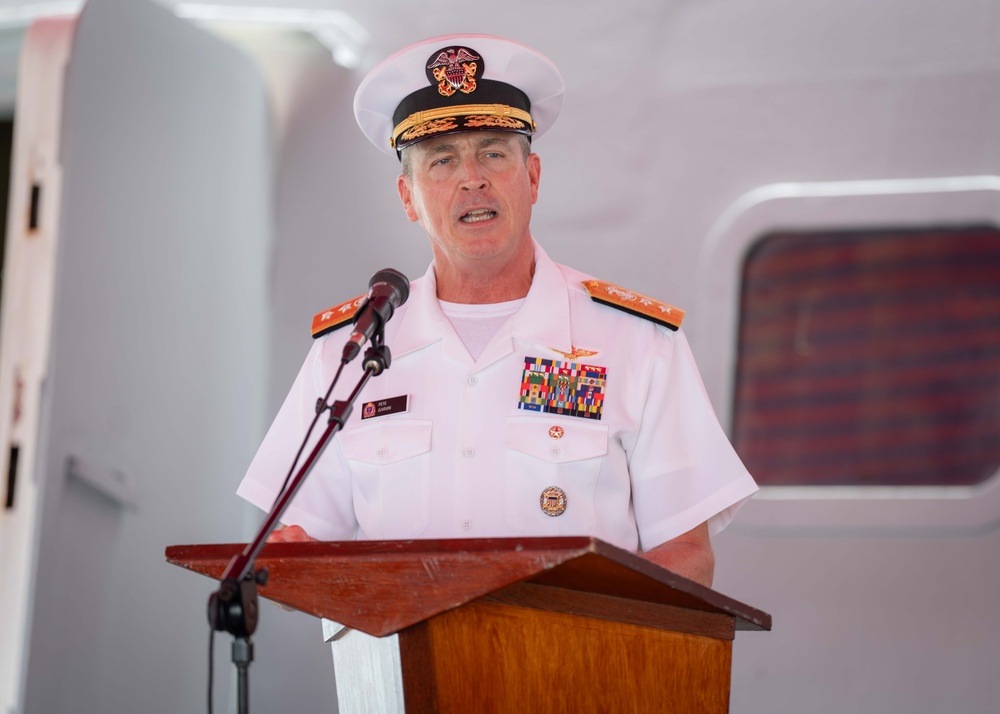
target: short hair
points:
(406, 162)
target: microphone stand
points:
(233, 607)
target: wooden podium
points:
(515, 624)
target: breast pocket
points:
(552, 467)
(390, 463)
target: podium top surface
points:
(382, 587)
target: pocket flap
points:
(387, 442)
(556, 440)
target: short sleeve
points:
(683, 469)
(323, 505)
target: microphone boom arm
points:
(233, 607)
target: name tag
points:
(384, 407)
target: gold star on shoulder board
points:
(336, 316)
(639, 305)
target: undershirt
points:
(477, 324)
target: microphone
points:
(387, 290)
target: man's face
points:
(472, 193)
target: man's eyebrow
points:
(492, 141)
(483, 143)
(441, 149)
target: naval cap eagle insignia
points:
(454, 69)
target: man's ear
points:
(406, 196)
(534, 164)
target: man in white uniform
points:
(519, 401)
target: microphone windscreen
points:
(396, 281)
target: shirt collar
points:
(542, 320)
(422, 323)
(544, 317)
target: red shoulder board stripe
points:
(337, 316)
(618, 297)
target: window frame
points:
(834, 206)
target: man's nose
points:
(473, 176)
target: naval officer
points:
(524, 397)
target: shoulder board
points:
(618, 297)
(336, 316)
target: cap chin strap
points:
(462, 110)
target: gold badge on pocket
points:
(553, 501)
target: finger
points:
(289, 534)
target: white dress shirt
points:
(467, 458)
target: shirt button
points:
(555, 451)
(466, 525)
(469, 453)
(473, 380)
(381, 453)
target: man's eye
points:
(441, 162)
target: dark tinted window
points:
(870, 358)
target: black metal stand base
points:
(242, 657)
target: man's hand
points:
(289, 534)
(689, 555)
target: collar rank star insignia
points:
(336, 316)
(640, 305)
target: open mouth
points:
(479, 214)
